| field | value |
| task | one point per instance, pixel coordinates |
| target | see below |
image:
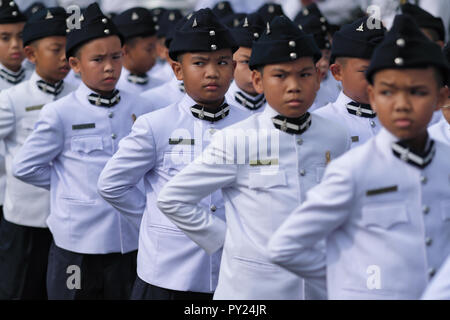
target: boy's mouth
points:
(212, 86)
(403, 122)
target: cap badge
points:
(49, 15)
(360, 28)
(195, 23)
(134, 16)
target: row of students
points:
(76, 138)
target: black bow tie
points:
(200, 113)
(49, 88)
(103, 101)
(361, 110)
(421, 160)
(292, 125)
(134, 78)
(252, 104)
(181, 87)
(13, 78)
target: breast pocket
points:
(174, 162)
(384, 216)
(266, 179)
(86, 144)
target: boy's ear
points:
(74, 63)
(336, 71)
(30, 53)
(177, 70)
(125, 50)
(442, 97)
(371, 94)
(257, 81)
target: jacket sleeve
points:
(32, 164)
(136, 156)
(295, 245)
(7, 116)
(179, 199)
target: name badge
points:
(182, 141)
(33, 108)
(381, 190)
(264, 162)
(355, 138)
(83, 126)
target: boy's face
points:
(289, 87)
(48, 54)
(324, 63)
(11, 48)
(242, 73)
(446, 107)
(206, 75)
(351, 72)
(405, 99)
(141, 53)
(99, 63)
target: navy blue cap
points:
(167, 21)
(46, 22)
(223, 9)
(10, 13)
(311, 20)
(233, 20)
(282, 41)
(249, 29)
(156, 13)
(424, 19)
(446, 51)
(405, 46)
(270, 10)
(202, 32)
(94, 25)
(357, 39)
(135, 22)
(33, 8)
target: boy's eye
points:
(244, 61)
(386, 92)
(419, 92)
(198, 63)
(117, 56)
(223, 62)
(279, 75)
(305, 75)
(97, 59)
(5, 38)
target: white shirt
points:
(162, 70)
(133, 87)
(258, 198)
(386, 224)
(440, 131)
(328, 92)
(19, 110)
(70, 145)
(360, 129)
(439, 288)
(166, 257)
(168, 93)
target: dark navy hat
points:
(156, 13)
(270, 10)
(10, 13)
(223, 9)
(167, 21)
(233, 20)
(135, 22)
(201, 32)
(46, 22)
(282, 41)
(357, 39)
(424, 19)
(249, 29)
(33, 8)
(311, 20)
(446, 51)
(94, 25)
(405, 46)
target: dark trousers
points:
(23, 261)
(77, 276)
(145, 291)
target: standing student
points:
(263, 165)
(170, 265)
(12, 22)
(311, 20)
(139, 50)
(72, 141)
(351, 50)
(382, 208)
(241, 91)
(24, 236)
